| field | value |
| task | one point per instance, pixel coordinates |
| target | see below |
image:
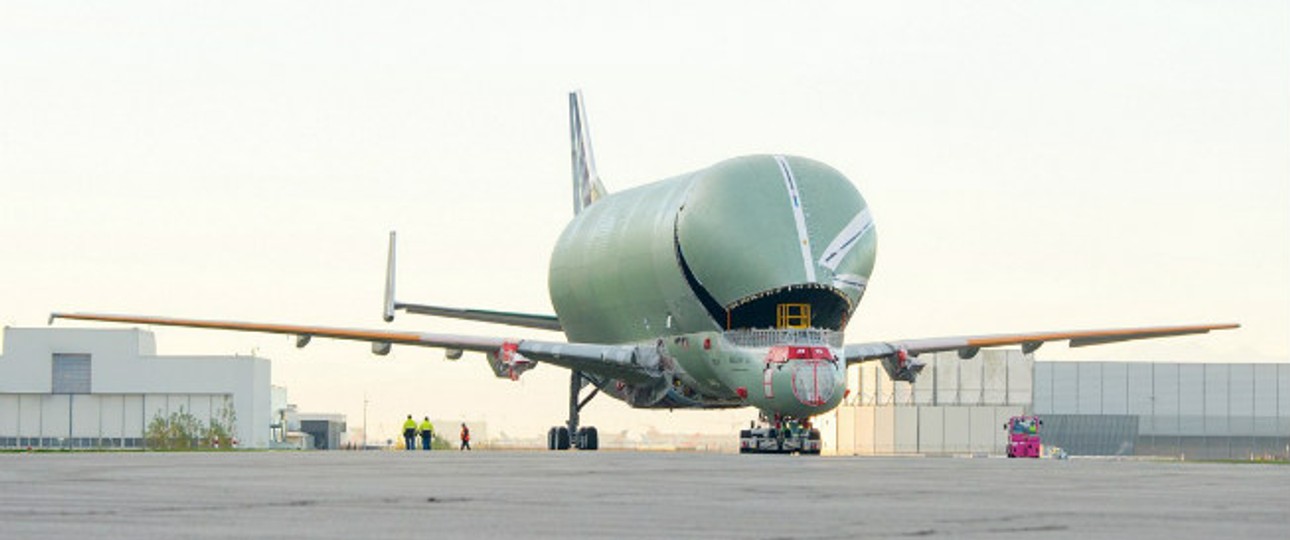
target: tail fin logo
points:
(586, 182)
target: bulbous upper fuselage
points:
(772, 246)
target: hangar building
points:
(1190, 410)
(101, 388)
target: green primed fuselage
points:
(702, 265)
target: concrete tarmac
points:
(629, 494)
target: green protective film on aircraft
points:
(718, 247)
(613, 275)
(755, 228)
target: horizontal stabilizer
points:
(390, 305)
(526, 320)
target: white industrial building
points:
(100, 388)
(1199, 410)
(955, 407)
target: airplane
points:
(726, 287)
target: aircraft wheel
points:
(557, 438)
(588, 438)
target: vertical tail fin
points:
(388, 307)
(586, 183)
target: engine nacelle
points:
(380, 348)
(452, 354)
(508, 362)
(902, 366)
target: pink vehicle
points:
(1023, 436)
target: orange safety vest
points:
(465, 434)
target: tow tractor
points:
(1023, 436)
(781, 436)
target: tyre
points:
(550, 439)
(562, 438)
(590, 439)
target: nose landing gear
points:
(780, 436)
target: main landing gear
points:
(780, 436)
(583, 438)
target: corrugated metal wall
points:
(1091, 434)
(1199, 410)
(94, 420)
(1235, 411)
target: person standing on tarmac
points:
(410, 434)
(465, 437)
(427, 433)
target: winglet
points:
(388, 313)
(586, 182)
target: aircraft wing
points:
(507, 356)
(897, 356)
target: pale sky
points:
(1030, 166)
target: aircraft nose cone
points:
(803, 380)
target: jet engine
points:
(507, 362)
(902, 366)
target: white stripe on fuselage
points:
(847, 239)
(854, 281)
(795, 200)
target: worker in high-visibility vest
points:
(427, 433)
(410, 434)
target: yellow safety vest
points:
(410, 424)
(427, 427)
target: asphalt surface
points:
(628, 494)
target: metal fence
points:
(768, 338)
(1224, 411)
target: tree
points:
(223, 427)
(179, 431)
(183, 431)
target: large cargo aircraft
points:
(725, 287)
